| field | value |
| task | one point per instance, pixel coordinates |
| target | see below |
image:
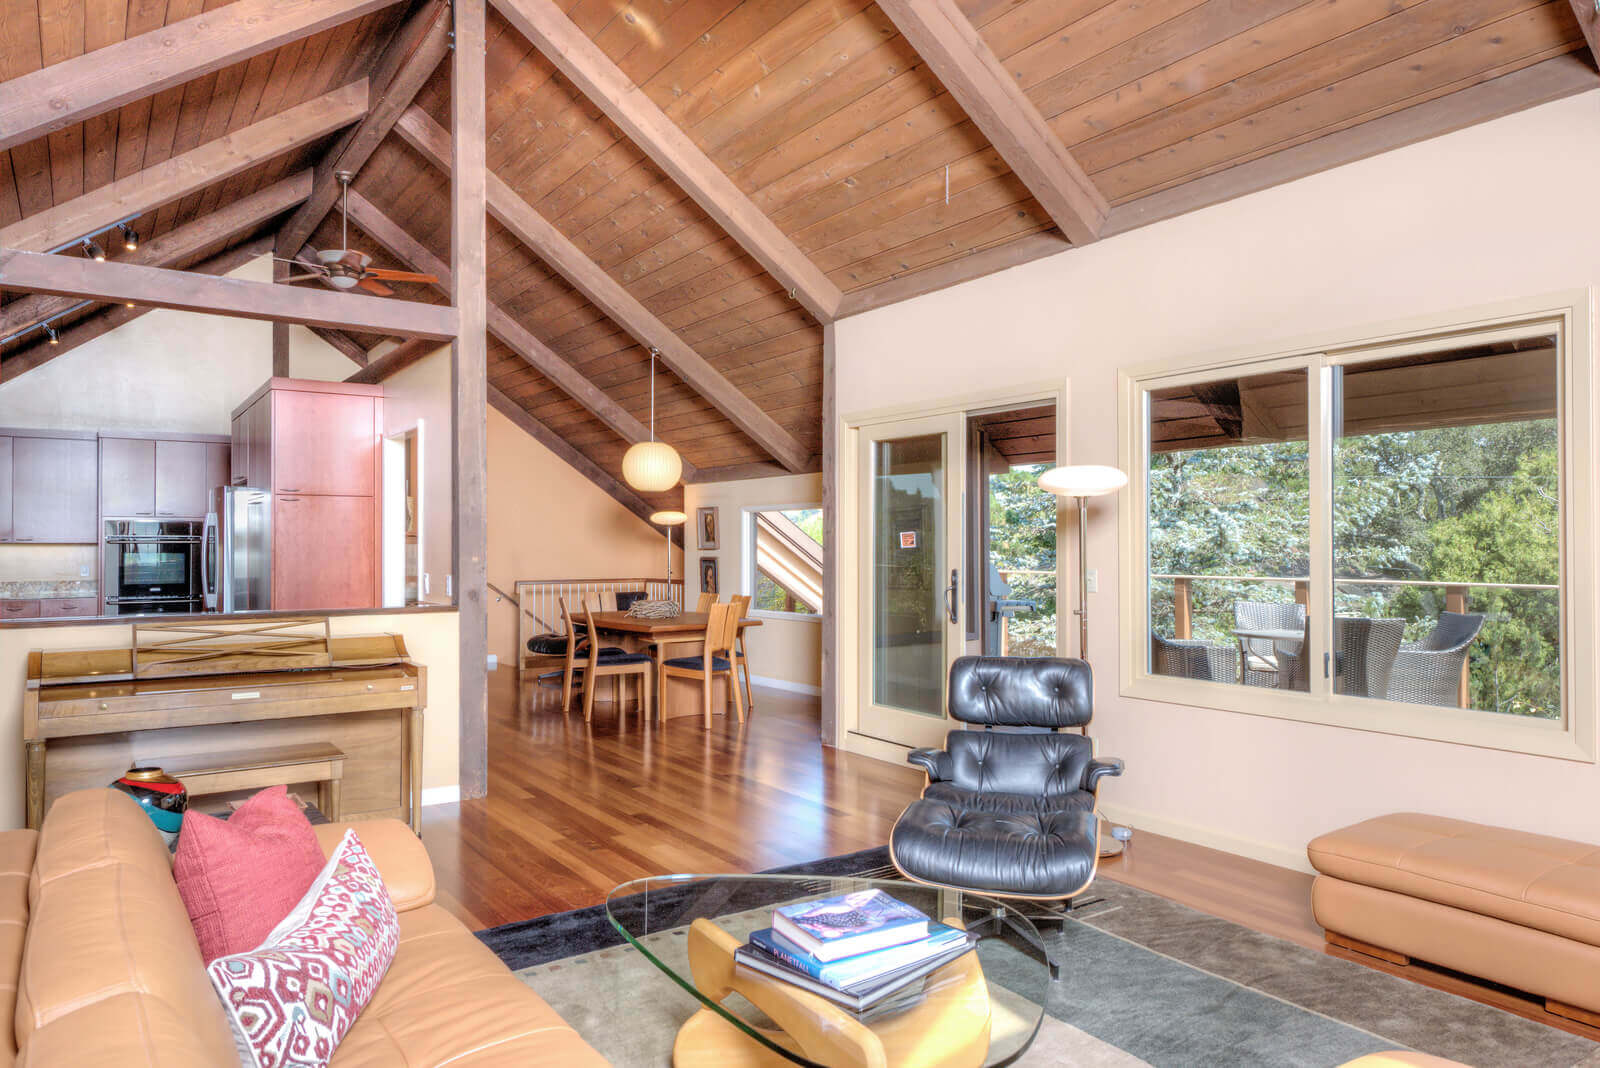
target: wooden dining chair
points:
(716, 658)
(576, 656)
(616, 664)
(740, 660)
(706, 601)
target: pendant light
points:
(652, 466)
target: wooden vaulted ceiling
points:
(881, 148)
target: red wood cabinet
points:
(322, 549)
(181, 488)
(53, 490)
(5, 489)
(146, 477)
(324, 443)
(127, 477)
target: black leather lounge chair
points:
(1009, 810)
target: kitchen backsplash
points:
(23, 568)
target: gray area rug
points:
(1144, 981)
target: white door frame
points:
(393, 541)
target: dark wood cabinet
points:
(5, 489)
(68, 607)
(127, 477)
(322, 552)
(181, 488)
(19, 609)
(54, 489)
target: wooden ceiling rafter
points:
(395, 360)
(415, 52)
(605, 85)
(957, 54)
(348, 346)
(587, 277)
(1588, 12)
(535, 353)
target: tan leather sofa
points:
(1517, 908)
(97, 954)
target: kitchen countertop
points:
(33, 591)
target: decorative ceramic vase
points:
(162, 797)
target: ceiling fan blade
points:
(372, 285)
(400, 276)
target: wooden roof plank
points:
(543, 23)
(514, 213)
(955, 51)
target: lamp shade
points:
(1083, 480)
(668, 519)
(652, 466)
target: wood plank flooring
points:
(574, 809)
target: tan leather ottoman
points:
(1517, 908)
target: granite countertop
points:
(33, 591)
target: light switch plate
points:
(83, 572)
(426, 585)
(1093, 582)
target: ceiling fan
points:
(348, 268)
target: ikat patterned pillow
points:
(292, 999)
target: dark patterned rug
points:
(1144, 981)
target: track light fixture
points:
(130, 236)
(50, 332)
(93, 251)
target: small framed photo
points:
(706, 520)
(708, 575)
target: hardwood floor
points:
(574, 809)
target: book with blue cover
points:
(878, 996)
(848, 924)
(863, 969)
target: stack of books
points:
(855, 949)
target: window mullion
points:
(1319, 611)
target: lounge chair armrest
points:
(936, 762)
(1099, 769)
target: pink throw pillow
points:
(292, 1000)
(240, 877)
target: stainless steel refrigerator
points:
(238, 550)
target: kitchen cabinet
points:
(19, 610)
(68, 607)
(324, 443)
(160, 478)
(219, 462)
(180, 482)
(127, 477)
(323, 552)
(54, 494)
(5, 489)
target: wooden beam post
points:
(64, 94)
(1182, 610)
(958, 55)
(1589, 18)
(411, 58)
(566, 45)
(280, 331)
(188, 172)
(469, 372)
(829, 727)
(590, 279)
(535, 353)
(86, 279)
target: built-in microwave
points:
(152, 566)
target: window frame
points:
(747, 548)
(1569, 316)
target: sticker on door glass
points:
(908, 539)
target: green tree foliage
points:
(1022, 537)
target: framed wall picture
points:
(708, 575)
(706, 520)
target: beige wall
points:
(422, 394)
(547, 521)
(166, 370)
(787, 652)
(1499, 211)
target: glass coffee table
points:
(982, 1009)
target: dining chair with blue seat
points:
(718, 657)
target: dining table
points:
(687, 628)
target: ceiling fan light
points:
(343, 281)
(652, 466)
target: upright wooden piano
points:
(204, 687)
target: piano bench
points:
(254, 769)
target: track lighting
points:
(130, 236)
(50, 332)
(93, 251)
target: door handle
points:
(950, 598)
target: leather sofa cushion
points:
(1046, 854)
(111, 973)
(16, 866)
(447, 994)
(949, 792)
(398, 853)
(1548, 884)
(1008, 762)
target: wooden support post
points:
(1302, 592)
(469, 368)
(1455, 600)
(1182, 609)
(830, 539)
(280, 331)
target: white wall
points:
(788, 651)
(166, 370)
(1503, 210)
(422, 393)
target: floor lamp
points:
(668, 520)
(1084, 481)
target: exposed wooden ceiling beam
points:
(347, 345)
(64, 94)
(614, 487)
(42, 352)
(647, 126)
(413, 55)
(590, 279)
(189, 172)
(535, 353)
(176, 246)
(957, 54)
(1588, 13)
(395, 360)
(86, 279)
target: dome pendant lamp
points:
(652, 466)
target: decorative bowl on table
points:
(163, 798)
(655, 610)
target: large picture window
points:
(1373, 535)
(785, 550)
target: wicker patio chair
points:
(1260, 656)
(1364, 655)
(1193, 659)
(1429, 672)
